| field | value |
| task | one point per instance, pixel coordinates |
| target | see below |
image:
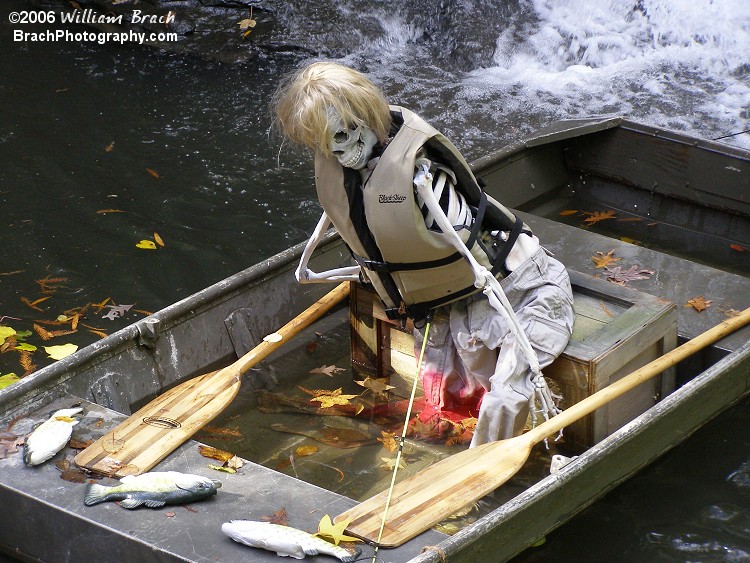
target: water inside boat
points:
(702, 234)
(275, 422)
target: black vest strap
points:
(499, 264)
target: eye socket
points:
(341, 136)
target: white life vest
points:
(412, 268)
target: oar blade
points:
(145, 438)
(422, 500)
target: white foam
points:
(678, 63)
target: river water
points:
(101, 146)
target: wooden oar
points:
(152, 433)
(424, 499)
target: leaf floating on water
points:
(377, 385)
(330, 371)
(154, 173)
(738, 248)
(597, 216)
(105, 211)
(333, 398)
(390, 463)
(699, 303)
(334, 532)
(568, 212)
(116, 311)
(603, 260)
(5, 332)
(46, 334)
(61, 351)
(158, 239)
(8, 379)
(146, 244)
(110, 147)
(389, 441)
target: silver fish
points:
(285, 541)
(153, 489)
(50, 436)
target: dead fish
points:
(154, 489)
(50, 437)
(285, 541)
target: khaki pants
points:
(473, 360)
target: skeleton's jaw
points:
(357, 161)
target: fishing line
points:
(731, 135)
(401, 440)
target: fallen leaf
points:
(5, 332)
(154, 173)
(61, 351)
(738, 247)
(247, 23)
(390, 463)
(235, 462)
(33, 304)
(568, 212)
(223, 469)
(376, 385)
(327, 370)
(699, 303)
(170, 514)
(304, 451)
(335, 532)
(116, 311)
(631, 274)
(597, 216)
(110, 147)
(158, 239)
(279, 517)
(105, 211)
(215, 453)
(8, 379)
(630, 220)
(79, 444)
(603, 260)
(389, 441)
(45, 334)
(25, 346)
(146, 244)
(333, 398)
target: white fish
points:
(50, 436)
(285, 541)
(154, 489)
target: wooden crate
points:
(616, 331)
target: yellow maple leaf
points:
(327, 529)
(604, 260)
(390, 463)
(376, 385)
(332, 398)
(389, 441)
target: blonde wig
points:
(304, 100)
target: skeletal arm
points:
(305, 275)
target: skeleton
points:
(351, 144)
(445, 212)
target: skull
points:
(352, 146)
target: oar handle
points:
(282, 335)
(655, 367)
